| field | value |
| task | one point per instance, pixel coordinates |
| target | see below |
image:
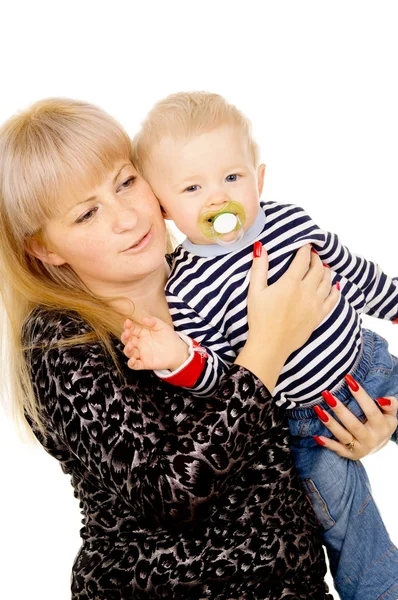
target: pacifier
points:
(230, 218)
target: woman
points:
(180, 500)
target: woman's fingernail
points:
(318, 440)
(321, 414)
(314, 251)
(352, 384)
(383, 401)
(338, 286)
(326, 266)
(327, 396)
(257, 249)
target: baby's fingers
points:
(134, 361)
(135, 364)
(125, 336)
(130, 348)
(151, 322)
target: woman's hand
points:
(356, 439)
(282, 316)
(290, 309)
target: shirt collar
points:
(216, 250)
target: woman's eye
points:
(233, 177)
(87, 216)
(128, 182)
(191, 188)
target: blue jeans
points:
(363, 560)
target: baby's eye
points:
(87, 216)
(191, 188)
(232, 177)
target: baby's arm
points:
(178, 358)
(153, 345)
(379, 290)
(220, 354)
(377, 293)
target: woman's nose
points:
(124, 218)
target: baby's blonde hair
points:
(183, 116)
(54, 148)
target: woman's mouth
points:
(140, 245)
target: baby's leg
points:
(381, 378)
(363, 560)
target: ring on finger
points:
(351, 445)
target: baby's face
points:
(198, 176)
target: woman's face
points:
(113, 237)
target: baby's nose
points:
(217, 199)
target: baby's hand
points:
(153, 345)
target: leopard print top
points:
(181, 498)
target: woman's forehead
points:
(86, 184)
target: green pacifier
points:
(214, 225)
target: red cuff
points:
(188, 375)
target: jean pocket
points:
(318, 504)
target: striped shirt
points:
(207, 297)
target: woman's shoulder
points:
(46, 326)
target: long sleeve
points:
(122, 430)
(171, 487)
(379, 291)
(220, 352)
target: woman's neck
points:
(148, 296)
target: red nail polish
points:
(321, 414)
(338, 286)
(326, 266)
(314, 251)
(395, 321)
(257, 249)
(327, 396)
(383, 401)
(352, 384)
(318, 440)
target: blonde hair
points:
(55, 146)
(185, 115)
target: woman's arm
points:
(152, 445)
(282, 316)
(140, 439)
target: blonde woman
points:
(180, 499)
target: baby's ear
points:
(37, 248)
(260, 178)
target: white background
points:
(319, 81)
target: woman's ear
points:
(165, 214)
(36, 247)
(260, 178)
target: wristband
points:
(189, 372)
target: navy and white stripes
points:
(207, 297)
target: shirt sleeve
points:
(379, 292)
(154, 447)
(220, 353)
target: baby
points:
(199, 156)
